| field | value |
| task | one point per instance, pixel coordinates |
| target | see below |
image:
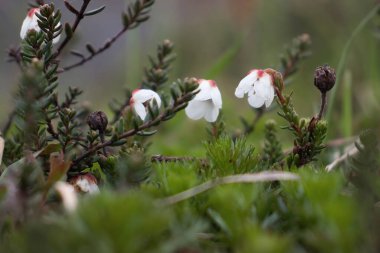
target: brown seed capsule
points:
(97, 121)
(324, 78)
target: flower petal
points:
(212, 114)
(256, 101)
(269, 100)
(68, 196)
(29, 23)
(246, 84)
(140, 110)
(216, 97)
(205, 91)
(143, 95)
(196, 109)
(261, 86)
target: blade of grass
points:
(343, 58)
(347, 104)
(265, 176)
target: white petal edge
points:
(196, 110)
(269, 100)
(143, 95)
(68, 195)
(29, 23)
(256, 101)
(246, 84)
(204, 91)
(140, 110)
(212, 114)
(216, 97)
(265, 82)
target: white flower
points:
(68, 196)
(259, 86)
(31, 23)
(141, 96)
(85, 183)
(206, 103)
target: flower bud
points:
(168, 44)
(97, 121)
(324, 78)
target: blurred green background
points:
(255, 31)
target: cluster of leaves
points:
(301, 216)
(272, 151)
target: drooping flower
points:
(206, 103)
(31, 23)
(67, 194)
(141, 96)
(85, 183)
(259, 86)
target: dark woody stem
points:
(102, 140)
(323, 105)
(78, 19)
(177, 106)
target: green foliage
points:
(229, 157)
(221, 203)
(106, 223)
(272, 152)
(364, 167)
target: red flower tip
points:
(260, 73)
(31, 12)
(212, 83)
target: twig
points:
(341, 159)
(330, 144)
(108, 43)
(173, 109)
(243, 178)
(167, 159)
(79, 17)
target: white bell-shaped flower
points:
(259, 86)
(85, 183)
(141, 96)
(31, 23)
(206, 103)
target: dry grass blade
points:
(352, 151)
(266, 176)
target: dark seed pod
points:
(97, 121)
(324, 78)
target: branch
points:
(168, 159)
(137, 13)
(178, 105)
(79, 16)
